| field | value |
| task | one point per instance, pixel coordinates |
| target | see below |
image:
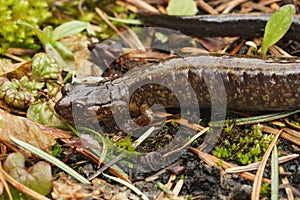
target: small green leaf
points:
(38, 177)
(65, 52)
(14, 160)
(44, 68)
(41, 35)
(277, 26)
(62, 55)
(69, 28)
(179, 7)
(41, 178)
(43, 113)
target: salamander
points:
(250, 83)
(233, 82)
(194, 82)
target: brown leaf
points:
(14, 70)
(25, 130)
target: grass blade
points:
(274, 174)
(50, 159)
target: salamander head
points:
(82, 102)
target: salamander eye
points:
(78, 105)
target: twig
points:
(288, 134)
(254, 166)
(131, 39)
(3, 181)
(212, 159)
(80, 7)
(167, 187)
(285, 180)
(205, 6)
(177, 188)
(13, 57)
(227, 7)
(143, 5)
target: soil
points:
(202, 181)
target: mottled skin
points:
(251, 84)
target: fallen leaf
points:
(14, 70)
(25, 130)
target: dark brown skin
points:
(223, 25)
(249, 84)
(236, 83)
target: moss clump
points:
(14, 35)
(246, 147)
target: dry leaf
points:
(14, 70)
(25, 130)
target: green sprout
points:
(44, 68)
(50, 39)
(277, 26)
(126, 144)
(265, 189)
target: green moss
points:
(14, 35)
(245, 147)
(126, 144)
(265, 189)
(57, 150)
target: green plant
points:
(179, 7)
(275, 29)
(126, 144)
(247, 148)
(20, 93)
(43, 113)
(50, 39)
(57, 150)
(277, 26)
(38, 177)
(265, 189)
(44, 68)
(23, 92)
(30, 11)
